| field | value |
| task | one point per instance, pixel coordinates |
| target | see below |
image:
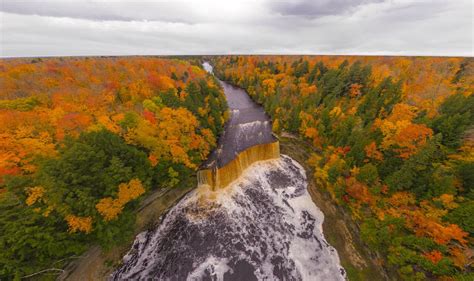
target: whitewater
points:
(264, 226)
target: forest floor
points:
(339, 229)
(98, 264)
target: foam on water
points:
(216, 267)
(264, 226)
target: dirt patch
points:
(339, 229)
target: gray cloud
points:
(319, 8)
(102, 10)
(397, 27)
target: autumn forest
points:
(394, 145)
(84, 140)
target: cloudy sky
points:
(374, 27)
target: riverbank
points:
(98, 264)
(339, 229)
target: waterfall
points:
(263, 227)
(218, 178)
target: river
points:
(263, 226)
(248, 126)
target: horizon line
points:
(237, 54)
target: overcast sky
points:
(373, 27)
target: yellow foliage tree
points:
(109, 208)
(34, 194)
(171, 137)
(75, 223)
(401, 133)
(312, 133)
(372, 152)
(130, 191)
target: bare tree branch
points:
(42, 271)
